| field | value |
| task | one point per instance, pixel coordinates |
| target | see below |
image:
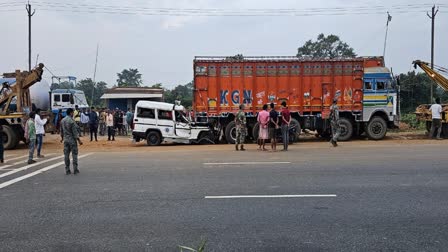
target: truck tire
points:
(231, 133)
(376, 128)
(346, 129)
(10, 138)
(153, 138)
(256, 131)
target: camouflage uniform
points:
(335, 127)
(70, 134)
(241, 130)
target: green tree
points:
(183, 93)
(87, 85)
(329, 46)
(414, 90)
(129, 78)
(157, 85)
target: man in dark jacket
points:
(93, 123)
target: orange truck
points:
(368, 102)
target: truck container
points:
(368, 100)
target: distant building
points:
(126, 97)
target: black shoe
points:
(68, 172)
(31, 161)
(236, 147)
(76, 171)
(242, 148)
(40, 156)
(2, 161)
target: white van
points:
(158, 122)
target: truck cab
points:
(62, 99)
(158, 122)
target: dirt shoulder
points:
(125, 144)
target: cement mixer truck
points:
(24, 91)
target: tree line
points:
(414, 86)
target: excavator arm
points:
(434, 75)
(20, 91)
(422, 112)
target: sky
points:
(162, 47)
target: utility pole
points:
(432, 17)
(30, 14)
(94, 72)
(389, 18)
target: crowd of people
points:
(82, 121)
(273, 124)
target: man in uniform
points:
(334, 121)
(70, 137)
(240, 122)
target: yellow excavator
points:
(15, 104)
(422, 112)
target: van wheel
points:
(153, 138)
(231, 133)
(206, 138)
(9, 137)
(346, 129)
(376, 128)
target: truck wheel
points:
(376, 128)
(10, 139)
(153, 138)
(231, 133)
(256, 131)
(346, 129)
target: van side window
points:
(57, 98)
(65, 98)
(380, 85)
(165, 115)
(146, 113)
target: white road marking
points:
(13, 181)
(247, 163)
(12, 159)
(29, 166)
(272, 196)
(4, 167)
(25, 161)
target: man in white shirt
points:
(84, 121)
(436, 111)
(40, 131)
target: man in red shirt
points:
(286, 121)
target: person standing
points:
(103, 122)
(286, 121)
(110, 126)
(77, 117)
(58, 120)
(436, 114)
(93, 124)
(70, 137)
(273, 126)
(84, 121)
(2, 149)
(129, 119)
(334, 122)
(241, 130)
(263, 121)
(40, 131)
(30, 136)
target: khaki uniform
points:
(69, 131)
(241, 130)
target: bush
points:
(410, 122)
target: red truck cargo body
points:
(221, 84)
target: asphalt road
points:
(383, 197)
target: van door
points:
(165, 122)
(183, 127)
(144, 118)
